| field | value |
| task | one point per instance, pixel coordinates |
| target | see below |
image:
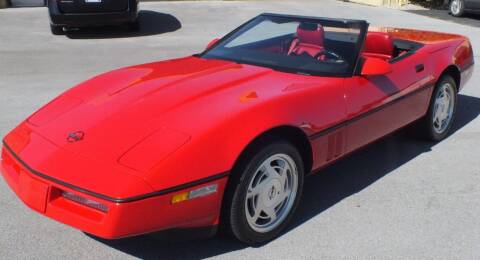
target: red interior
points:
(309, 40)
(379, 45)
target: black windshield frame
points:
(361, 25)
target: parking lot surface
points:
(399, 198)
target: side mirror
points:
(212, 42)
(375, 67)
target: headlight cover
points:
(153, 149)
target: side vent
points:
(335, 145)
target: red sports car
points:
(227, 136)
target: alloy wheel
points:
(271, 193)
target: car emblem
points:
(75, 136)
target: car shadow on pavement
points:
(150, 23)
(363, 168)
(322, 191)
(466, 19)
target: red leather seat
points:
(310, 38)
(378, 45)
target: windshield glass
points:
(294, 44)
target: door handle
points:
(419, 68)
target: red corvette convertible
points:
(227, 136)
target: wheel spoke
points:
(446, 100)
(272, 173)
(283, 197)
(256, 215)
(258, 187)
(435, 108)
(435, 118)
(255, 191)
(271, 213)
(283, 178)
(282, 175)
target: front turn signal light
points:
(200, 192)
(179, 197)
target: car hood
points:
(113, 112)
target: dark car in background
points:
(460, 7)
(86, 13)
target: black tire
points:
(133, 26)
(235, 215)
(427, 127)
(457, 11)
(56, 30)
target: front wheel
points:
(457, 7)
(266, 194)
(441, 113)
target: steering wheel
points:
(286, 45)
(326, 55)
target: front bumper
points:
(91, 19)
(122, 219)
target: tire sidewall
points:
(56, 30)
(238, 221)
(432, 133)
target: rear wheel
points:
(56, 30)
(457, 7)
(438, 122)
(266, 194)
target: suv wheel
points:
(457, 7)
(56, 30)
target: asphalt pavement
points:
(400, 198)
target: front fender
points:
(222, 126)
(216, 149)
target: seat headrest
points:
(379, 43)
(310, 33)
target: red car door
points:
(379, 105)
